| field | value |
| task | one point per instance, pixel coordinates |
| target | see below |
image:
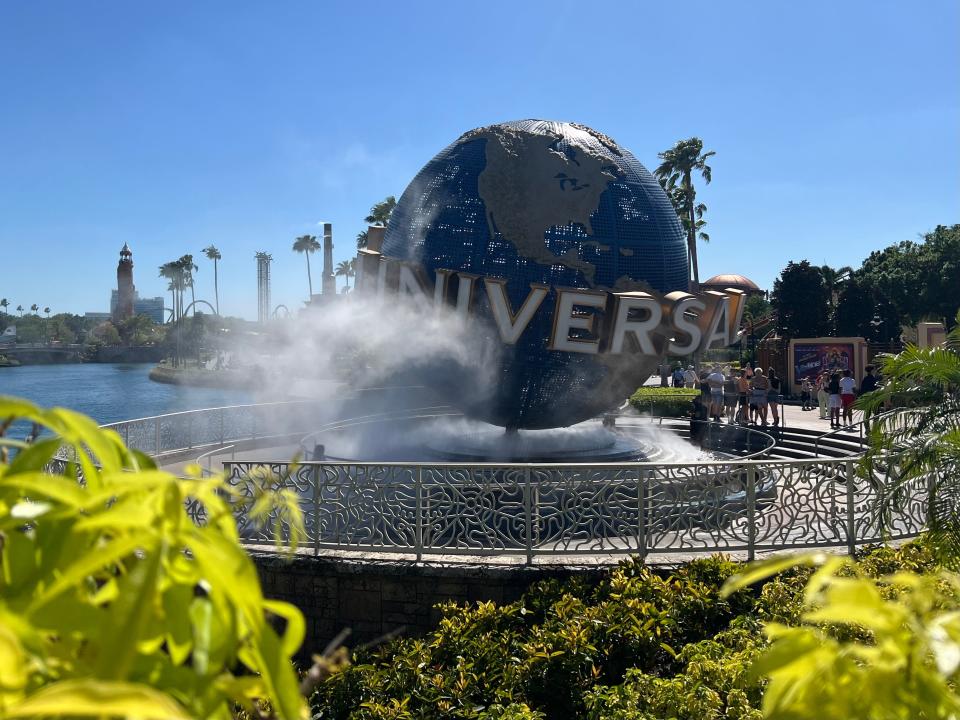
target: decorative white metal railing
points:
(546, 510)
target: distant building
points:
(126, 292)
(737, 282)
(125, 301)
(263, 286)
(151, 307)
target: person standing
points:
(869, 383)
(773, 395)
(823, 394)
(806, 389)
(664, 374)
(743, 391)
(760, 386)
(848, 394)
(715, 381)
(730, 396)
(833, 390)
(690, 378)
(678, 376)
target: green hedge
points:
(635, 645)
(667, 402)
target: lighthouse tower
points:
(125, 290)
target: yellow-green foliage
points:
(114, 603)
(864, 646)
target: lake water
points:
(109, 392)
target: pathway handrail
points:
(861, 426)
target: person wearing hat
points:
(690, 378)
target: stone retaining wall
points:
(375, 597)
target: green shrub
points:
(635, 644)
(666, 402)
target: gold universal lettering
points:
(511, 325)
(567, 318)
(624, 324)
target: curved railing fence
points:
(547, 510)
(211, 427)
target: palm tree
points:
(34, 308)
(678, 166)
(4, 303)
(924, 436)
(168, 272)
(833, 279)
(189, 268)
(214, 254)
(174, 271)
(678, 196)
(47, 311)
(345, 270)
(307, 244)
(379, 215)
(20, 310)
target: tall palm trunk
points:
(309, 278)
(216, 287)
(692, 234)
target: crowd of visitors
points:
(750, 396)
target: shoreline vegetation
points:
(58, 355)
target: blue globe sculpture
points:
(555, 203)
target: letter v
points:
(510, 325)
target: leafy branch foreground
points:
(114, 603)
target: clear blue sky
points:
(174, 125)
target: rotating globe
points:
(549, 203)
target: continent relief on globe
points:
(530, 185)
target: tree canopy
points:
(801, 300)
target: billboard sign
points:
(809, 360)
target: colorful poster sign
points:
(811, 360)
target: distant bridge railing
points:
(174, 433)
